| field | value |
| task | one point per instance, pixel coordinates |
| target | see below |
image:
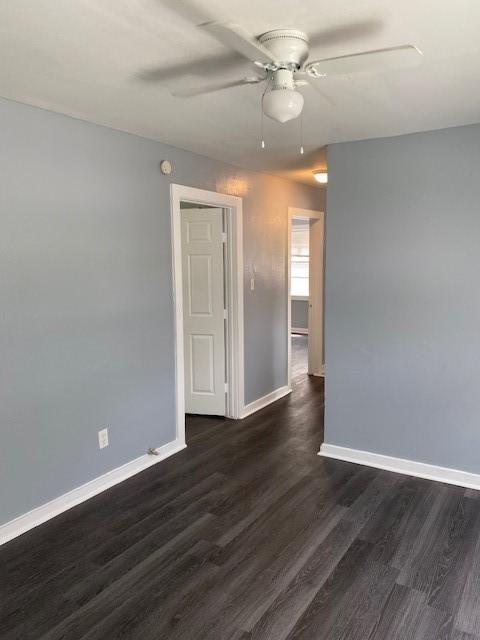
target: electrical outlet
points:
(103, 439)
(252, 284)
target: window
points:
(300, 258)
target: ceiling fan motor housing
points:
(283, 79)
(289, 46)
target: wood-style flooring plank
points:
(347, 604)
(442, 551)
(468, 614)
(292, 602)
(459, 635)
(407, 616)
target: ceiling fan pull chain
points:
(262, 137)
(261, 130)
(301, 134)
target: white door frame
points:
(309, 214)
(232, 205)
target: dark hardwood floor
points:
(247, 535)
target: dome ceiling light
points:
(321, 176)
(282, 102)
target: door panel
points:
(202, 363)
(203, 310)
(199, 284)
(198, 231)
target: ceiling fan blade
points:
(238, 39)
(341, 33)
(203, 67)
(366, 61)
(219, 86)
(307, 80)
(190, 10)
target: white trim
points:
(49, 510)
(262, 402)
(289, 298)
(307, 214)
(235, 317)
(401, 465)
(233, 208)
(305, 298)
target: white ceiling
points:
(113, 62)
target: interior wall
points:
(86, 328)
(402, 302)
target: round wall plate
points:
(165, 167)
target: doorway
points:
(208, 303)
(305, 293)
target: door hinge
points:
(224, 237)
(225, 314)
(226, 387)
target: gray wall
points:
(300, 314)
(403, 299)
(86, 324)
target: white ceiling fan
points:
(282, 56)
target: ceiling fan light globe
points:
(282, 105)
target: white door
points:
(203, 310)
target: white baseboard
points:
(303, 332)
(49, 510)
(401, 465)
(256, 405)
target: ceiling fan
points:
(281, 59)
